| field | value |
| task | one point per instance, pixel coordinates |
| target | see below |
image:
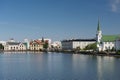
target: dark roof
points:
(79, 40)
(13, 43)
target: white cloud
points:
(115, 5)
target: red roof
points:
(36, 42)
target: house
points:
(75, 43)
(36, 45)
(49, 41)
(56, 45)
(14, 46)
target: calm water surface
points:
(58, 66)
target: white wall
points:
(108, 45)
(70, 45)
(67, 45)
(81, 44)
(3, 42)
(117, 44)
(14, 47)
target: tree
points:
(45, 45)
(77, 49)
(113, 49)
(1, 47)
(91, 47)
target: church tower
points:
(99, 37)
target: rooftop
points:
(79, 40)
(13, 43)
(110, 38)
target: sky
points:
(58, 19)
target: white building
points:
(56, 44)
(98, 38)
(14, 46)
(3, 42)
(117, 44)
(105, 42)
(75, 43)
(26, 41)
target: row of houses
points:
(103, 42)
(38, 45)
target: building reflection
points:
(105, 66)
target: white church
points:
(105, 42)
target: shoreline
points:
(70, 52)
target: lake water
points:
(58, 66)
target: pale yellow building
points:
(36, 45)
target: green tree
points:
(45, 46)
(118, 52)
(91, 47)
(77, 49)
(113, 49)
(1, 47)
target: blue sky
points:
(57, 19)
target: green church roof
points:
(110, 38)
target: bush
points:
(118, 52)
(91, 47)
(1, 47)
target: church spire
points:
(42, 39)
(98, 28)
(99, 37)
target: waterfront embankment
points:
(70, 52)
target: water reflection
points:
(54, 66)
(105, 67)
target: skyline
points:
(57, 19)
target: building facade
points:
(105, 42)
(3, 42)
(49, 41)
(26, 42)
(14, 46)
(56, 44)
(117, 44)
(75, 43)
(98, 37)
(36, 45)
